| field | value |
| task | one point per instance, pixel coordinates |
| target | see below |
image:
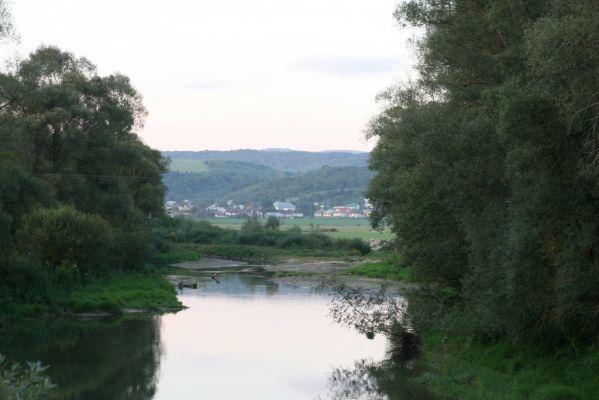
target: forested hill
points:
(284, 160)
(217, 181)
(335, 185)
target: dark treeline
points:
(488, 165)
(79, 191)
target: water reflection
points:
(369, 380)
(94, 359)
(246, 337)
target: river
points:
(243, 337)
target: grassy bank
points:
(123, 291)
(386, 269)
(113, 294)
(466, 369)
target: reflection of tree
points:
(368, 380)
(375, 313)
(93, 359)
(357, 383)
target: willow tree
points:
(487, 165)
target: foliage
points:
(133, 291)
(469, 369)
(80, 193)
(487, 166)
(387, 269)
(272, 223)
(18, 382)
(244, 182)
(283, 160)
(68, 239)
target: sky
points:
(232, 74)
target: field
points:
(343, 227)
(188, 166)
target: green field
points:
(345, 227)
(188, 166)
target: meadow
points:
(335, 227)
(178, 165)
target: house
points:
(284, 209)
(283, 206)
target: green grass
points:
(188, 166)
(177, 253)
(348, 228)
(260, 255)
(138, 291)
(465, 369)
(383, 270)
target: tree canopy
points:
(78, 188)
(487, 165)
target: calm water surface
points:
(245, 338)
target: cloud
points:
(340, 65)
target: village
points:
(279, 209)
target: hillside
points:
(218, 180)
(283, 160)
(330, 185)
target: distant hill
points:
(217, 180)
(328, 185)
(279, 159)
(264, 176)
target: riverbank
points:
(466, 369)
(118, 293)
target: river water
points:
(244, 337)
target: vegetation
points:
(123, 291)
(390, 269)
(81, 197)
(467, 369)
(221, 181)
(485, 166)
(282, 160)
(217, 182)
(260, 243)
(18, 382)
(178, 165)
(487, 174)
(348, 228)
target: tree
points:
(66, 238)
(486, 166)
(272, 223)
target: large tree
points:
(487, 165)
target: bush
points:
(65, 237)
(17, 382)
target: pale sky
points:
(233, 74)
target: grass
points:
(188, 166)
(261, 255)
(383, 270)
(465, 369)
(147, 292)
(335, 227)
(177, 253)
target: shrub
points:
(65, 237)
(17, 382)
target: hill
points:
(217, 181)
(279, 159)
(329, 185)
